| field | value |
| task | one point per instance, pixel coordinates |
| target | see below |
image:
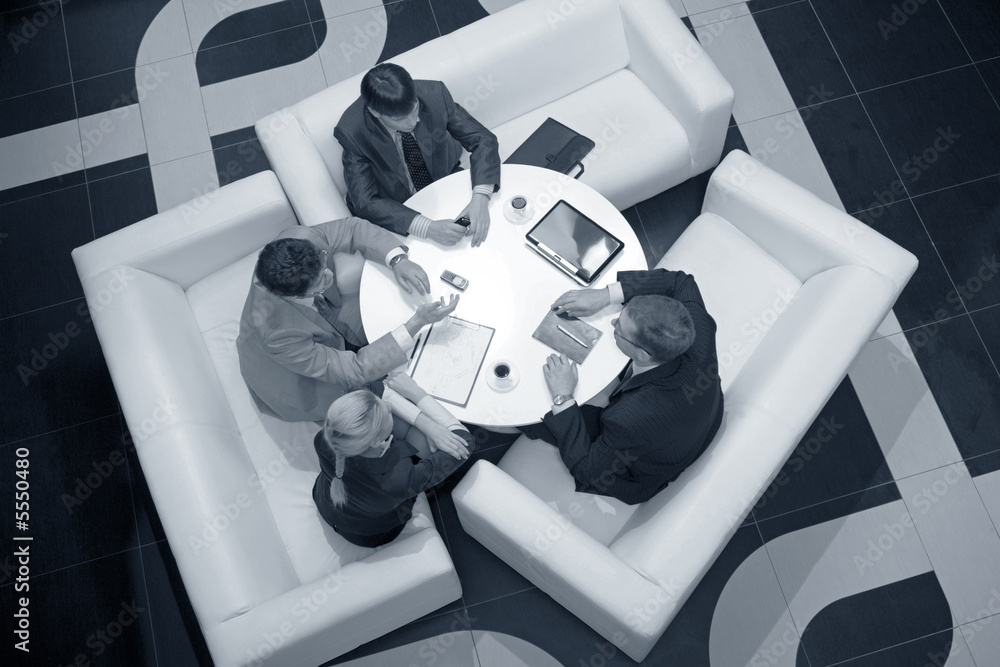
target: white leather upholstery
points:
(763, 251)
(232, 487)
(627, 74)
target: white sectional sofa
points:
(626, 73)
(270, 582)
(796, 287)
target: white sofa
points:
(626, 73)
(270, 582)
(796, 287)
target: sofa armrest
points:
(671, 62)
(797, 228)
(573, 568)
(364, 600)
(301, 169)
(195, 239)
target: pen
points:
(416, 344)
(559, 326)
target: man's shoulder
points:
(352, 119)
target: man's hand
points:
(582, 302)
(441, 439)
(478, 211)
(429, 313)
(403, 384)
(411, 276)
(560, 374)
(445, 232)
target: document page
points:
(449, 361)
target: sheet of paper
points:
(450, 359)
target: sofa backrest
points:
(190, 446)
(498, 68)
(770, 403)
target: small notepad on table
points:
(548, 332)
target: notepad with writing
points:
(448, 363)
(548, 332)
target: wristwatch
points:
(399, 258)
(559, 399)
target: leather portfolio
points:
(554, 146)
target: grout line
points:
(57, 430)
(76, 112)
(433, 16)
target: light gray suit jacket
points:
(292, 359)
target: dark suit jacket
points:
(376, 176)
(292, 359)
(380, 492)
(658, 422)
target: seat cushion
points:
(539, 468)
(744, 288)
(639, 144)
(282, 453)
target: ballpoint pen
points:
(559, 326)
(416, 344)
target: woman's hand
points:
(441, 439)
(403, 384)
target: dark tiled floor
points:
(919, 73)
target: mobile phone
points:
(456, 281)
(464, 221)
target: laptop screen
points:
(576, 240)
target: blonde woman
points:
(370, 480)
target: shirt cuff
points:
(616, 292)
(398, 250)
(403, 337)
(556, 409)
(430, 407)
(400, 406)
(419, 226)
(484, 190)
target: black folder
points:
(554, 146)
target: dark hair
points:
(287, 266)
(663, 326)
(388, 89)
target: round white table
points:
(510, 289)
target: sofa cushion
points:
(282, 453)
(623, 118)
(534, 53)
(744, 288)
(539, 468)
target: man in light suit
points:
(400, 136)
(668, 405)
(301, 345)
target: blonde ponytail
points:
(352, 423)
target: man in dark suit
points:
(301, 345)
(661, 417)
(400, 136)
